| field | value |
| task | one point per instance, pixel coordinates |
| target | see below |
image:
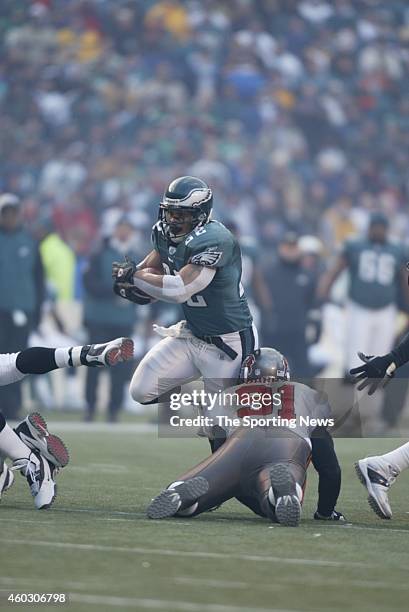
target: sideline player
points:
(265, 467)
(377, 276)
(379, 473)
(201, 261)
(33, 450)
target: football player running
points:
(198, 265)
(379, 473)
(38, 454)
(263, 467)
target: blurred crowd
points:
(295, 111)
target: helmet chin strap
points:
(178, 238)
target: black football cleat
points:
(287, 503)
(107, 354)
(169, 501)
(34, 433)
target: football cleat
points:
(287, 502)
(334, 516)
(107, 354)
(377, 476)
(39, 473)
(34, 433)
(6, 477)
(168, 502)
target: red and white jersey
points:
(8, 372)
(290, 405)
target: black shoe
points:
(287, 503)
(168, 502)
(34, 433)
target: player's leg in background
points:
(91, 385)
(164, 367)
(207, 485)
(358, 330)
(13, 338)
(381, 324)
(92, 376)
(275, 491)
(118, 378)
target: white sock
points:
(398, 457)
(62, 357)
(68, 357)
(11, 445)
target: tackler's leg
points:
(207, 485)
(275, 489)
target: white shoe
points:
(39, 473)
(109, 353)
(377, 476)
(6, 477)
(34, 433)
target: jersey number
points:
(197, 301)
(198, 232)
(286, 409)
(376, 267)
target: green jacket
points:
(21, 272)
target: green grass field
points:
(96, 544)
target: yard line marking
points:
(99, 511)
(185, 553)
(9, 520)
(378, 529)
(21, 582)
(213, 583)
(165, 604)
(108, 428)
(284, 582)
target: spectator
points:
(292, 292)
(106, 313)
(21, 290)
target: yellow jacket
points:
(59, 265)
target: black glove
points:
(123, 271)
(132, 293)
(375, 371)
(334, 516)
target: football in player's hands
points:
(127, 290)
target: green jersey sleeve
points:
(213, 249)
